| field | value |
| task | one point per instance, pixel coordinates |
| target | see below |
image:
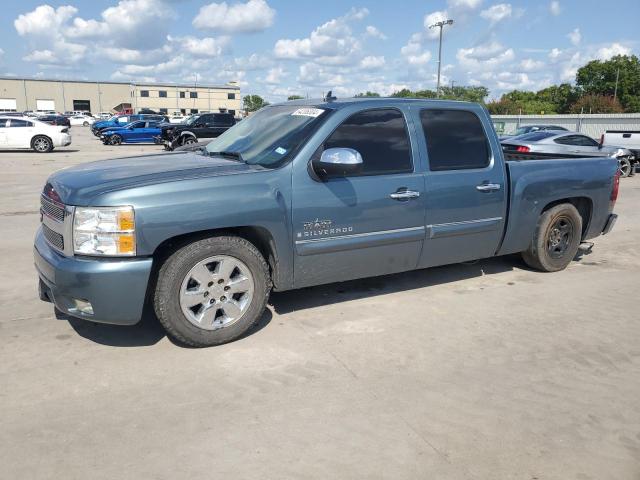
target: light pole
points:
(440, 24)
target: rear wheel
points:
(42, 144)
(212, 291)
(556, 240)
(85, 124)
(115, 140)
(625, 166)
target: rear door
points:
(466, 196)
(4, 123)
(20, 133)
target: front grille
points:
(54, 238)
(51, 209)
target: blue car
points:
(121, 120)
(141, 131)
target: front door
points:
(3, 132)
(367, 224)
(466, 194)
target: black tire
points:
(85, 124)
(625, 167)
(41, 144)
(170, 277)
(115, 139)
(562, 224)
(188, 139)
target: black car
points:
(55, 120)
(206, 125)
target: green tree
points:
(367, 94)
(253, 103)
(504, 106)
(596, 104)
(467, 94)
(294, 97)
(599, 78)
(562, 96)
(404, 93)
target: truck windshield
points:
(270, 136)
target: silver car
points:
(561, 143)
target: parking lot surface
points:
(483, 370)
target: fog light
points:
(82, 306)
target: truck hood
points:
(79, 184)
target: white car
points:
(84, 120)
(177, 118)
(26, 132)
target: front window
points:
(270, 136)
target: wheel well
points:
(584, 206)
(258, 236)
(40, 135)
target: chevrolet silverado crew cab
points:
(300, 194)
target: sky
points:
(277, 48)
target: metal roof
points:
(135, 84)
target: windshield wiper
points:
(229, 154)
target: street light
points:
(440, 24)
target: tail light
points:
(522, 149)
(615, 189)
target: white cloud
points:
(464, 4)
(497, 13)
(555, 8)
(252, 16)
(413, 51)
(275, 75)
(207, 47)
(531, 65)
(575, 37)
(605, 53)
(373, 32)
(485, 56)
(372, 63)
(313, 74)
(555, 54)
(331, 43)
(44, 21)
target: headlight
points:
(108, 231)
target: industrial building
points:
(22, 94)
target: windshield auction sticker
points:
(308, 112)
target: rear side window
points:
(455, 140)
(381, 138)
(223, 119)
(537, 136)
(20, 123)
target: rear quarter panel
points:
(534, 184)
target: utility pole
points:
(615, 90)
(440, 24)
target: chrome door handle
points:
(404, 195)
(488, 187)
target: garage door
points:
(45, 105)
(8, 105)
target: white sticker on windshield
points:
(281, 151)
(308, 112)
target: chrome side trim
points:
(465, 222)
(359, 235)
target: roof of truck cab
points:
(373, 101)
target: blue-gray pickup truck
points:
(300, 194)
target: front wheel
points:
(115, 140)
(85, 124)
(187, 140)
(556, 239)
(212, 291)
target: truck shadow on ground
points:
(311, 297)
(149, 331)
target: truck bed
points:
(533, 185)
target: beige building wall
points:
(105, 96)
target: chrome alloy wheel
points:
(41, 144)
(216, 292)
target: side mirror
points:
(338, 162)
